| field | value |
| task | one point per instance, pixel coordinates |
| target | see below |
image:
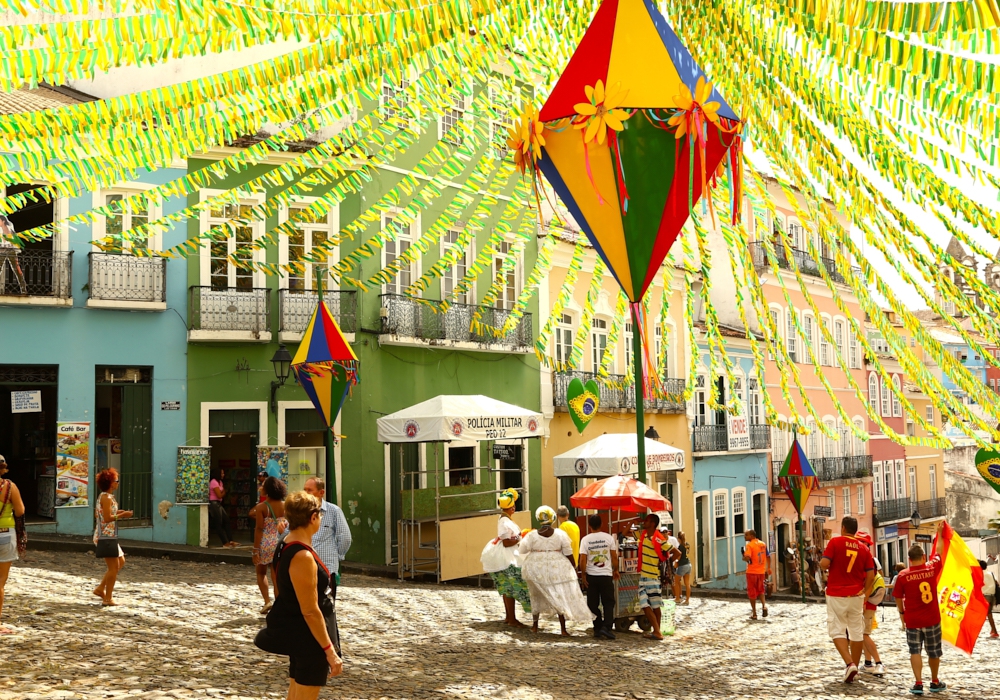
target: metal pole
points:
(331, 462)
(640, 428)
(803, 568)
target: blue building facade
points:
(96, 338)
(730, 472)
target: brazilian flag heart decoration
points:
(583, 401)
(988, 465)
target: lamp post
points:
(282, 362)
(915, 519)
(652, 434)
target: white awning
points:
(616, 453)
(448, 418)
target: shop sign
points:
(72, 464)
(507, 453)
(887, 533)
(26, 401)
(924, 538)
(823, 511)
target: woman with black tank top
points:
(296, 622)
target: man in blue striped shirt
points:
(333, 538)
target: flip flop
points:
(754, 616)
(764, 613)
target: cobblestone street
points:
(185, 630)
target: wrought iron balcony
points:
(408, 317)
(126, 278)
(893, 510)
(831, 469)
(715, 438)
(239, 310)
(295, 308)
(932, 508)
(615, 399)
(36, 273)
(806, 263)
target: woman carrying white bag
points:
(500, 563)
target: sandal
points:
(753, 616)
(764, 614)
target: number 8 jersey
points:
(850, 562)
(917, 588)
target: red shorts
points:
(755, 586)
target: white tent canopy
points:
(612, 454)
(448, 418)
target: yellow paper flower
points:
(601, 112)
(525, 138)
(688, 104)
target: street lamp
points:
(915, 519)
(282, 362)
(652, 434)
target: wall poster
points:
(72, 464)
(193, 467)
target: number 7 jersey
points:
(917, 588)
(850, 562)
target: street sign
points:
(824, 511)
(924, 538)
(26, 401)
(507, 453)
(170, 405)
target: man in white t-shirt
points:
(599, 567)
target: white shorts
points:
(8, 550)
(845, 618)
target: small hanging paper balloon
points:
(988, 464)
(583, 401)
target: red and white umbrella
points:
(619, 493)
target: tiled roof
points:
(42, 97)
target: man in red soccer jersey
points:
(917, 600)
(851, 573)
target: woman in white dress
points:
(547, 568)
(508, 580)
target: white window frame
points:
(777, 315)
(702, 415)
(861, 499)
(332, 228)
(854, 348)
(846, 495)
(838, 335)
(722, 512)
(812, 441)
(911, 474)
(397, 88)
(886, 397)
(597, 331)
(877, 482)
(740, 494)
(791, 336)
(873, 392)
(451, 274)
(825, 356)
(629, 340)
(413, 234)
(476, 464)
(808, 331)
(206, 221)
(831, 498)
(458, 111)
(929, 413)
(932, 475)
(897, 406)
(500, 96)
(564, 327)
(755, 402)
(502, 302)
(128, 189)
(831, 446)
(900, 484)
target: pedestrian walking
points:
(851, 573)
(333, 538)
(873, 662)
(916, 597)
(571, 529)
(989, 592)
(682, 574)
(107, 515)
(298, 623)
(218, 518)
(599, 571)
(269, 517)
(13, 539)
(506, 572)
(653, 548)
(549, 570)
(758, 561)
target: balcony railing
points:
(807, 264)
(615, 399)
(296, 307)
(127, 278)
(715, 438)
(241, 310)
(36, 273)
(831, 469)
(932, 508)
(893, 510)
(407, 317)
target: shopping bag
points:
(667, 627)
(494, 557)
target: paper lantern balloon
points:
(634, 134)
(988, 465)
(583, 401)
(797, 477)
(325, 365)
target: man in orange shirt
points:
(758, 568)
